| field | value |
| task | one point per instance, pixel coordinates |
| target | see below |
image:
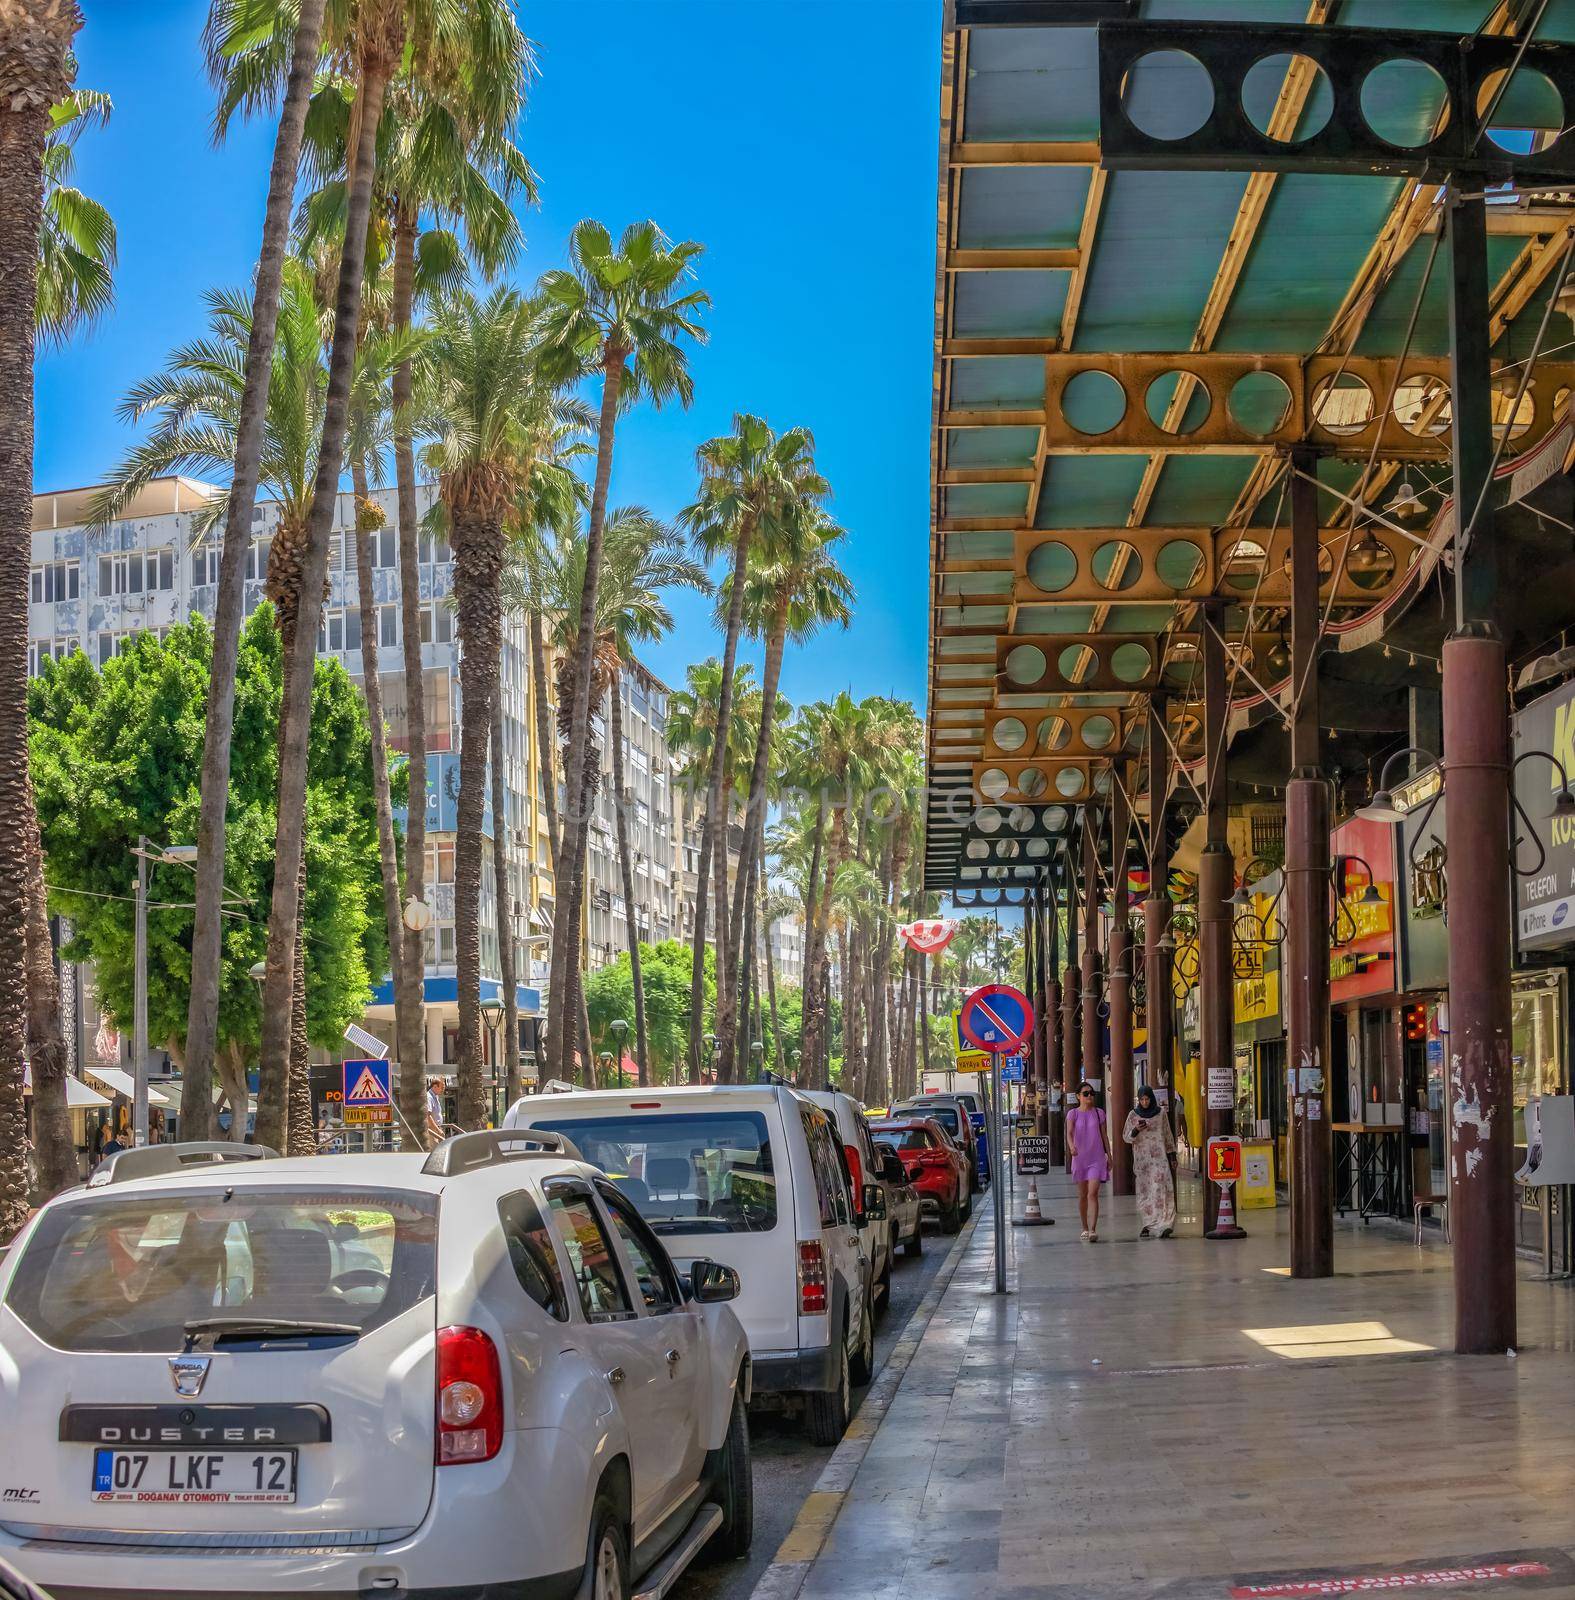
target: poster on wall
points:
(1545, 898)
(1221, 1089)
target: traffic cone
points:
(1225, 1223)
(1032, 1216)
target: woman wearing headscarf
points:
(1148, 1132)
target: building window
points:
(257, 560)
(133, 573)
(432, 547)
(437, 623)
(388, 625)
(440, 862)
(41, 650)
(205, 565)
(55, 580)
(339, 630)
(110, 645)
(384, 547)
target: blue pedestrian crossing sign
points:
(997, 1018)
(368, 1083)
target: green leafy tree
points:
(118, 753)
(664, 972)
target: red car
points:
(934, 1164)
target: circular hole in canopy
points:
(1343, 403)
(1167, 94)
(1529, 109)
(1075, 662)
(1177, 402)
(1504, 407)
(1102, 781)
(1051, 566)
(977, 849)
(1025, 664)
(1069, 781)
(1243, 563)
(1021, 818)
(1369, 562)
(1097, 732)
(1261, 90)
(1116, 565)
(1037, 849)
(987, 819)
(1130, 662)
(1055, 818)
(1055, 733)
(1401, 102)
(1179, 564)
(1259, 403)
(1030, 783)
(1422, 405)
(1325, 563)
(1010, 734)
(1008, 850)
(1092, 401)
(993, 783)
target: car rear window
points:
(128, 1272)
(904, 1139)
(947, 1116)
(686, 1171)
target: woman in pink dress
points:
(1089, 1143)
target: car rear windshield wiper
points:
(690, 1224)
(213, 1330)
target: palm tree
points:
(247, 75)
(792, 594)
(76, 242)
(622, 311)
(748, 480)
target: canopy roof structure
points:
(1126, 352)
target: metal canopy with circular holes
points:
(1168, 249)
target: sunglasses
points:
(1085, 1094)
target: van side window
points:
(590, 1252)
(825, 1188)
(534, 1260)
(830, 1175)
(658, 1285)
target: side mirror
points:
(710, 1283)
(874, 1203)
(892, 1169)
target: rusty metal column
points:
(1033, 987)
(1050, 1021)
(1306, 966)
(1120, 992)
(1093, 1056)
(1160, 1011)
(1216, 881)
(1070, 1011)
(1476, 804)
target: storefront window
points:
(1537, 1048)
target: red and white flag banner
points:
(928, 938)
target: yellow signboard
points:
(1258, 999)
(973, 1060)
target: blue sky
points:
(794, 138)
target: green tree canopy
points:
(117, 752)
(665, 971)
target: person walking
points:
(1148, 1132)
(1088, 1138)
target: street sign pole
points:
(997, 1187)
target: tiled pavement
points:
(1182, 1419)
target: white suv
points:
(470, 1373)
(757, 1174)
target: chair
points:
(1420, 1202)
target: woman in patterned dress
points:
(1148, 1132)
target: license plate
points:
(194, 1477)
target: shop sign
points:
(1362, 960)
(1258, 999)
(1545, 899)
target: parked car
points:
(954, 1118)
(974, 1104)
(902, 1203)
(345, 1366)
(934, 1165)
(859, 1151)
(758, 1172)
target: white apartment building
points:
(94, 588)
(787, 950)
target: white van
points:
(847, 1117)
(754, 1174)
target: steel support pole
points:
(1071, 1011)
(1054, 1125)
(1481, 1109)
(1093, 1055)
(1305, 977)
(1120, 994)
(1216, 880)
(139, 1005)
(1033, 985)
(1160, 1010)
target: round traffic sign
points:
(997, 1018)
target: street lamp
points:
(757, 1055)
(618, 1028)
(710, 1050)
(606, 1059)
(492, 1019)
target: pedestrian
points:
(1090, 1146)
(1148, 1132)
(434, 1110)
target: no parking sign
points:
(997, 1018)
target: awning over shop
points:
(445, 992)
(123, 1083)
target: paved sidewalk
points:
(1180, 1418)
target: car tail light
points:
(935, 1158)
(811, 1278)
(469, 1397)
(855, 1167)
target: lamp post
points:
(710, 1052)
(618, 1028)
(606, 1059)
(492, 1019)
(757, 1053)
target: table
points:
(1371, 1174)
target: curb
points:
(797, 1553)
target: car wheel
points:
(915, 1245)
(732, 1487)
(606, 1557)
(951, 1216)
(828, 1413)
(966, 1210)
(861, 1366)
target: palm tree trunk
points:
(697, 964)
(716, 807)
(746, 959)
(479, 548)
(817, 1018)
(35, 48)
(576, 1026)
(779, 1052)
(369, 517)
(290, 836)
(576, 827)
(504, 902)
(622, 801)
(755, 800)
(229, 1065)
(410, 969)
(46, 1045)
(202, 1018)
(549, 788)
